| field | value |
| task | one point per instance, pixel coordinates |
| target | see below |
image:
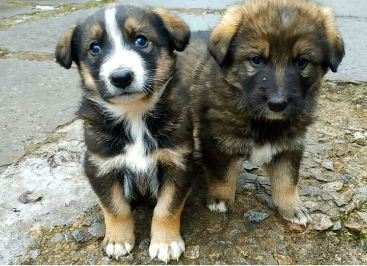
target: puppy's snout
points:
(121, 79)
(277, 104)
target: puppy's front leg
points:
(119, 239)
(166, 242)
(284, 171)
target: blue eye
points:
(141, 41)
(301, 62)
(256, 61)
(94, 49)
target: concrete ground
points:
(38, 100)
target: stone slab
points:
(35, 98)
(8, 11)
(354, 65)
(354, 8)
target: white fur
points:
(121, 58)
(167, 251)
(117, 250)
(263, 154)
(220, 207)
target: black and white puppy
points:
(136, 120)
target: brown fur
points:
(231, 94)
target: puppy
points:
(254, 92)
(137, 126)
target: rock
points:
(269, 260)
(316, 173)
(359, 199)
(337, 225)
(93, 219)
(347, 178)
(249, 186)
(192, 252)
(363, 215)
(282, 250)
(57, 238)
(255, 217)
(332, 85)
(353, 226)
(248, 166)
(248, 178)
(68, 237)
(106, 260)
(80, 236)
(328, 165)
(33, 254)
(266, 199)
(264, 180)
(296, 228)
(92, 260)
(321, 222)
(97, 230)
(333, 186)
(144, 244)
(283, 260)
(359, 136)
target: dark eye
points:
(301, 62)
(94, 49)
(256, 61)
(141, 41)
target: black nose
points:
(277, 105)
(122, 79)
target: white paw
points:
(300, 216)
(116, 250)
(167, 251)
(218, 206)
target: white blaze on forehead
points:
(121, 57)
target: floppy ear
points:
(335, 41)
(178, 31)
(64, 54)
(223, 34)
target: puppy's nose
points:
(277, 104)
(122, 79)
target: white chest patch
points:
(263, 154)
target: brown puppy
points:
(254, 93)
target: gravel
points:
(80, 236)
(321, 222)
(255, 217)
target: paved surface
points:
(37, 95)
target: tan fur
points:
(225, 190)
(173, 156)
(120, 223)
(87, 77)
(284, 190)
(65, 40)
(165, 223)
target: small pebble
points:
(80, 236)
(328, 165)
(321, 222)
(255, 217)
(92, 260)
(337, 225)
(353, 226)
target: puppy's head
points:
(124, 52)
(276, 52)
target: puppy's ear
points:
(178, 31)
(223, 34)
(335, 41)
(64, 49)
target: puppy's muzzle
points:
(277, 104)
(121, 79)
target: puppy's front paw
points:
(298, 215)
(167, 251)
(116, 250)
(216, 205)
(119, 240)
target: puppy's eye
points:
(94, 48)
(141, 41)
(301, 62)
(256, 61)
